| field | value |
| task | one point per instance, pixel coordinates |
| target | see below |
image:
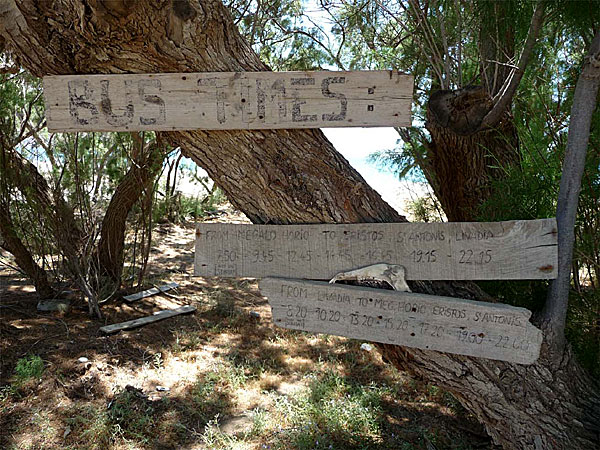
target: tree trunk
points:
(13, 244)
(496, 44)
(466, 153)
(51, 206)
(465, 160)
(112, 235)
(296, 177)
(55, 212)
(585, 102)
(9, 238)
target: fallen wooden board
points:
(159, 315)
(453, 325)
(149, 292)
(429, 251)
(227, 100)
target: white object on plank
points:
(227, 100)
(452, 325)
(159, 315)
(519, 249)
(149, 292)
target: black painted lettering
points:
(118, 120)
(220, 96)
(341, 97)
(160, 117)
(297, 115)
(329, 234)
(277, 93)
(82, 101)
(261, 97)
(293, 291)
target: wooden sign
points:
(227, 100)
(149, 292)
(157, 316)
(428, 251)
(453, 325)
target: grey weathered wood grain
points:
(428, 251)
(151, 291)
(160, 315)
(453, 325)
(227, 100)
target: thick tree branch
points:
(138, 179)
(507, 92)
(13, 244)
(584, 104)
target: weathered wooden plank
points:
(428, 251)
(149, 292)
(453, 325)
(227, 100)
(159, 315)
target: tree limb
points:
(507, 92)
(584, 103)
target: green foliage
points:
(131, 416)
(82, 171)
(20, 96)
(97, 432)
(402, 160)
(29, 367)
(583, 328)
(283, 35)
(211, 393)
(213, 437)
(181, 207)
(578, 16)
(426, 209)
(530, 189)
(333, 413)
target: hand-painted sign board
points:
(453, 325)
(227, 100)
(428, 251)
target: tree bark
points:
(56, 213)
(584, 105)
(50, 205)
(296, 177)
(9, 238)
(13, 244)
(496, 44)
(112, 235)
(473, 137)
(464, 158)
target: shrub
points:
(29, 367)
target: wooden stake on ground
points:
(149, 292)
(452, 325)
(160, 315)
(521, 249)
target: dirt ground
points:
(222, 377)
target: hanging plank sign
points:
(429, 251)
(453, 325)
(227, 100)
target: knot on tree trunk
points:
(117, 8)
(462, 154)
(461, 110)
